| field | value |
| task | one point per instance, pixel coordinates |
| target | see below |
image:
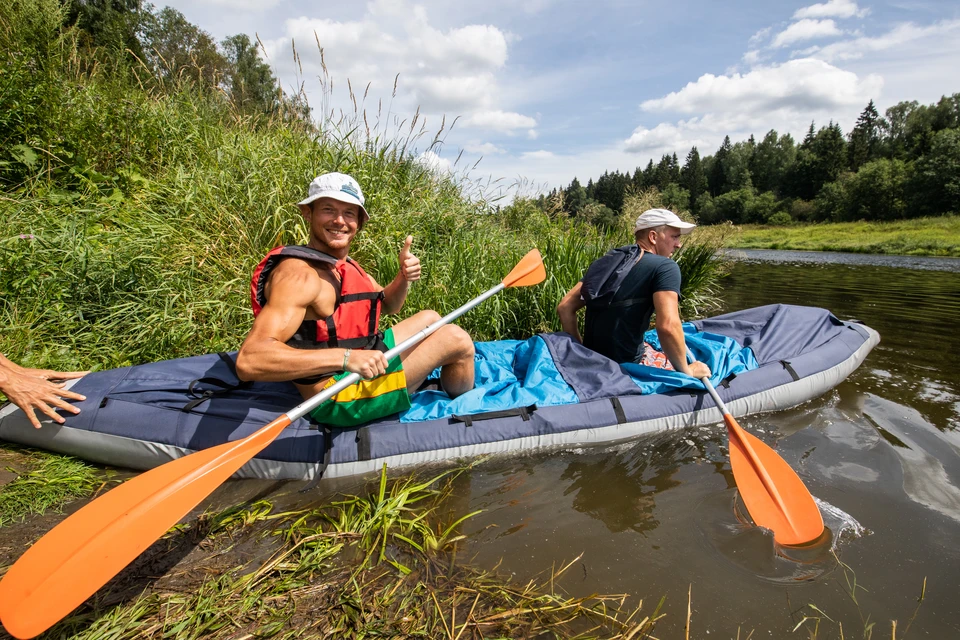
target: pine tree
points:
(717, 178)
(574, 198)
(865, 137)
(693, 178)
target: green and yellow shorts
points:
(368, 399)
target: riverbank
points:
(938, 236)
(280, 565)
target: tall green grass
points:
(134, 212)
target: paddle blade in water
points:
(82, 553)
(528, 272)
(771, 490)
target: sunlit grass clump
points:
(45, 481)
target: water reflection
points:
(923, 457)
(621, 490)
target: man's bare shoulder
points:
(297, 282)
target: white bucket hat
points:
(658, 217)
(338, 186)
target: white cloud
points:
(664, 137)
(801, 85)
(435, 163)
(541, 154)
(899, 36)
(499, 120)
(454, 71)
(242, 5)
(806, 29)
(760, 36)
(785, 97)
(831, 9)
(486, 148)
(751, 57)
(454, 93)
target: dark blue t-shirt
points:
(616, 330)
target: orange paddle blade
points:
(528, 272)
(771, 490)
(82, 553)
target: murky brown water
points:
(654, 517)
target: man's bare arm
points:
(294, 288)
(670, 332)
(567, 310)
(264, 355)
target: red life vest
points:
(356, 313)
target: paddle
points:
(79, 555)
(772, 491)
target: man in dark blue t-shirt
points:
(653, 284)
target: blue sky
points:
(546, 90)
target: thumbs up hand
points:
(409, 263)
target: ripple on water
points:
(728, 531)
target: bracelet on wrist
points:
(346, 357)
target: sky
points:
(542, 91)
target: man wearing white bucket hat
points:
(317, 317)
(621, 291)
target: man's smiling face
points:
(333, 224)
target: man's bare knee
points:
(428, 316)
(457, 342)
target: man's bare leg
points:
(450, 348)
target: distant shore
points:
(938, 236)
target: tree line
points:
(904, 164)
(174, 49)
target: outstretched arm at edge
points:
(34, 390)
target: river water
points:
(656, 517)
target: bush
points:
(761, 208)
(802, 210)
(876, 191)
(832, 203)
(780, 219)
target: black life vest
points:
(355, 321)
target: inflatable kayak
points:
(548, 391)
